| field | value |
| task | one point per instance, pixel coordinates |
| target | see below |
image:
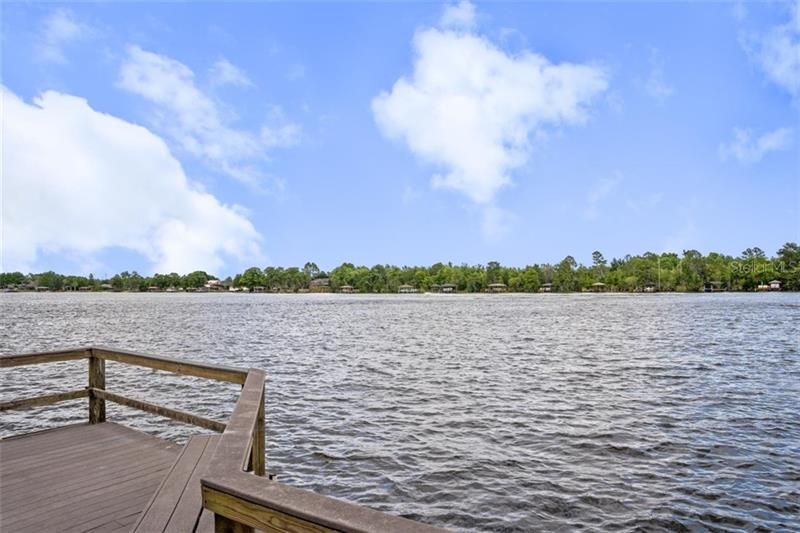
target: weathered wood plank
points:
(97, 380)
(44, 399)
(55, 438)
(268, 505)
(175, 414)
(54, 462)
(57, 462)
(35, 358)
(121, 525)
(92, 501)
(187, 512)
(234, 449)
(107, 510)
(95, 490)
(17, 452)
(51, 490)
(178, 366)
(166, 498)
(232, 512)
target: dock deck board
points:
(83, 477)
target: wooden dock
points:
(82, 477)
(100, 476)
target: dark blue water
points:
(474, 412)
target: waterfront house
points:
(497, 287)
(346, 289)
(649, 287)
(259, 289)
(153, 288)
(713, 286)
(546, 287)
(598, 287)
(406, 289)
(214, 285)
(106, 287)
(449, 287)
(320, 285)
(774, 285)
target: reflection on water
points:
(476, 412)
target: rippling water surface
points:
(485, 412)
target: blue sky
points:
(169, 136)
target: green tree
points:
(252, 277)
(195, 280)
(311, 270)
(12, 278)
(565, 278)
(529, 279)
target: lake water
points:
(474, 412)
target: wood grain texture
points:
(177, 504)
(187, 514)
(264, 504)
(44, 399)
(35, 358)
(97, 380)
(85, 477)
(174, 414)
(168, 364)
(229, 508)
(234, 452)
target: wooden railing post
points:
(258, 459)
(97, 380)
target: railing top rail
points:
(35, 358)
(169, 364)
(308, 507)
(234, 448)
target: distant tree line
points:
(690, 271)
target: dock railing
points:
(233, 487)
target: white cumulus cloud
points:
(459, 16)
(223, 72)
(471, 108)
(59, 29)
(77, 181)
(778, 52)
(747, 147)
(198, 123)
